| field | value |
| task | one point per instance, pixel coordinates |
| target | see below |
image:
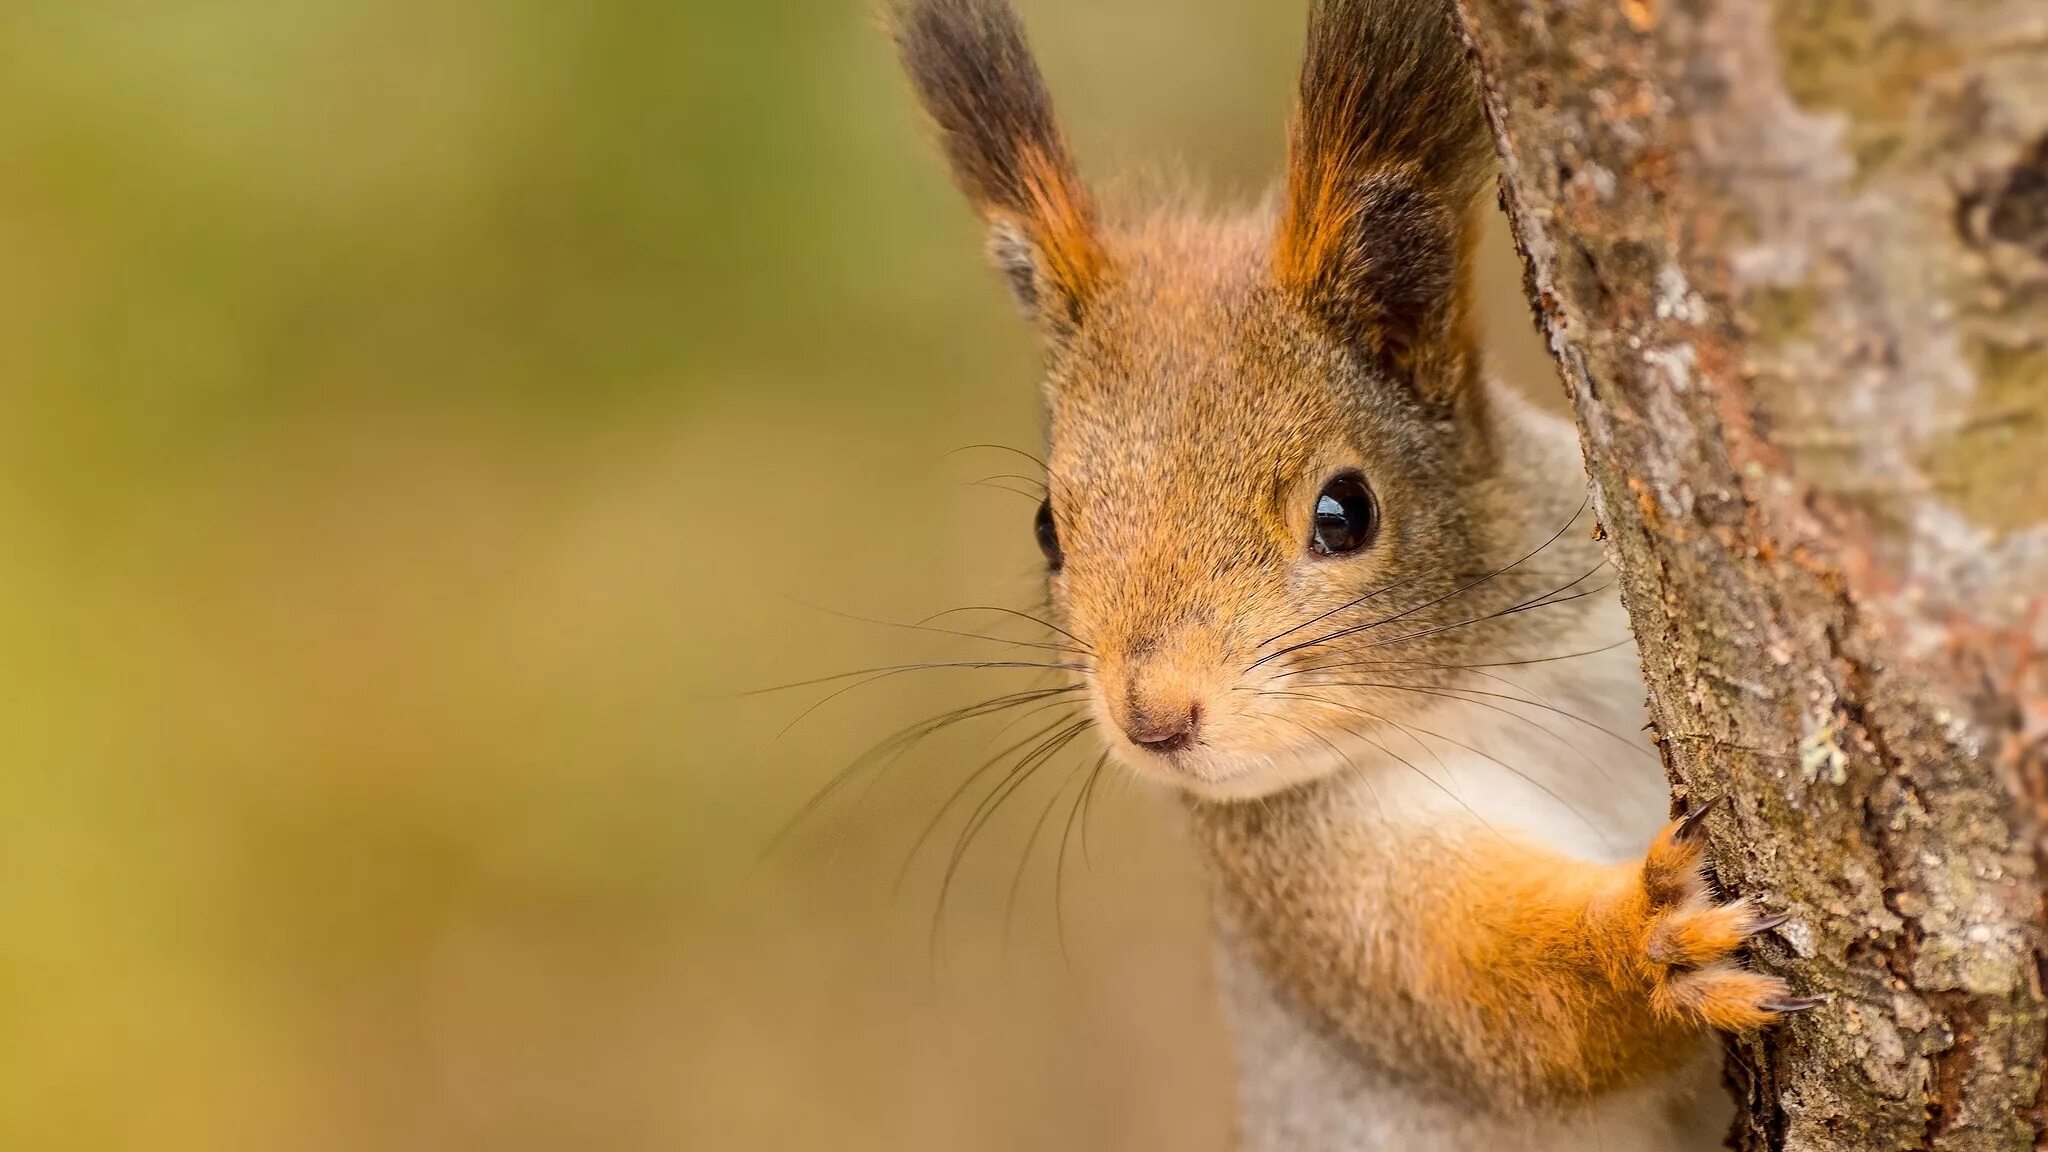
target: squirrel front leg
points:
(1564, 979)
(1506, 968)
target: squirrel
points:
(1324, 572)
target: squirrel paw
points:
(1689, 939)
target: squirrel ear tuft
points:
(974, 72)
(1386, 156)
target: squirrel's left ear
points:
(1386, 157)
(975, 74)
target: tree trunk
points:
(1792, 260)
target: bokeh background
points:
(420, 423)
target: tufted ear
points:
(1386, 156)
(975, 74)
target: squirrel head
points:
(1270, 448)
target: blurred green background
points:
(421, 422)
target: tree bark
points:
(1792, 260)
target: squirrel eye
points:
(1347, 516)
(1048, 535)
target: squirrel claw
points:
(1764, 924)
(1689, 937)
(1693, 823)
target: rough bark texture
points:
(1792, 259)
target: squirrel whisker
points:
(1085, 646)
(923, 626)
(1548, 599)
(986, 810)
(1481, 753)
(885, 752)
(1059, 867)
(1555, 536)
(1024, 858)
(931, 826)
(1435, 666)
(1000, 448)
(1462, 694)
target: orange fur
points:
(1522, 975)
(1600, 973)
(1060, 217)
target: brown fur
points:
(1206, 379)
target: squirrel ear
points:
(975, 74)
(1387, 153)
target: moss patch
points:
(1781, 314)
(1994, 466)
(1867, 59)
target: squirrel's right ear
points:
(976, 77)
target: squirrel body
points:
(1515, 776)
(1340, 592)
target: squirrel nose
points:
(1163, 730)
